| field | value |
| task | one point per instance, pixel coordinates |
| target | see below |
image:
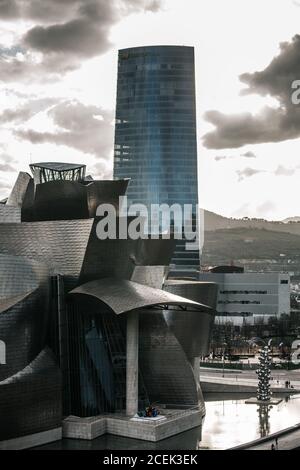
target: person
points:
(273, 447)
(276, 443)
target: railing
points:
(248, 382)
(237, 365)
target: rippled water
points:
(228, 423)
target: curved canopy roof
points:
(122, 296)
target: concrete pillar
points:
(132, 363)
(196, 368)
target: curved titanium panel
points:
(71, 247)
(193, 329)
(23, 324)
(167, 374)
(152, 276)
(123, 296)
(60, 200)
(103, 192)
(59, 244)
(18, 193)
(204, 292)
(119, 257)
(9, 214)
(67, 200)
(20, 276)
(30, 401)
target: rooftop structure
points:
(53, 171)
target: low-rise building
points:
(249, 297)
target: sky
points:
(58, 73)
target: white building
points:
(250, 297)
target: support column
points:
(196, 368)
(132, 363)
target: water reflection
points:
(264, 420)
(228, 423)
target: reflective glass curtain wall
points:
(155, 136)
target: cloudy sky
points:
(58, 70)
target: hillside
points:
(214, 221)
(258, 245)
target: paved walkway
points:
(249, 379)
(288, 442)
(238, 380)
(288, 439)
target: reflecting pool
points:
(227, 423)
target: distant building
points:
(249, 297)
(155, 135)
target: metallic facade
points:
(194, 329)
(30, 380)
(165, 370)
(122, 296)
(64, 299)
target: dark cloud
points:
(88, 129)
(271, 124)
(84, 36)
(26, 111)
(247, 173)
(219, 158)
(47, 11)
(50, 69)
(9, 9)
(248, 154)
(65, 32)
(5, 167)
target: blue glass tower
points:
(155, 135)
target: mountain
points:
(256, 244)
(214, 221)
(291, 220)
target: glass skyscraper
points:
(155, 135)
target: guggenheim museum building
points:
(92, 331)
